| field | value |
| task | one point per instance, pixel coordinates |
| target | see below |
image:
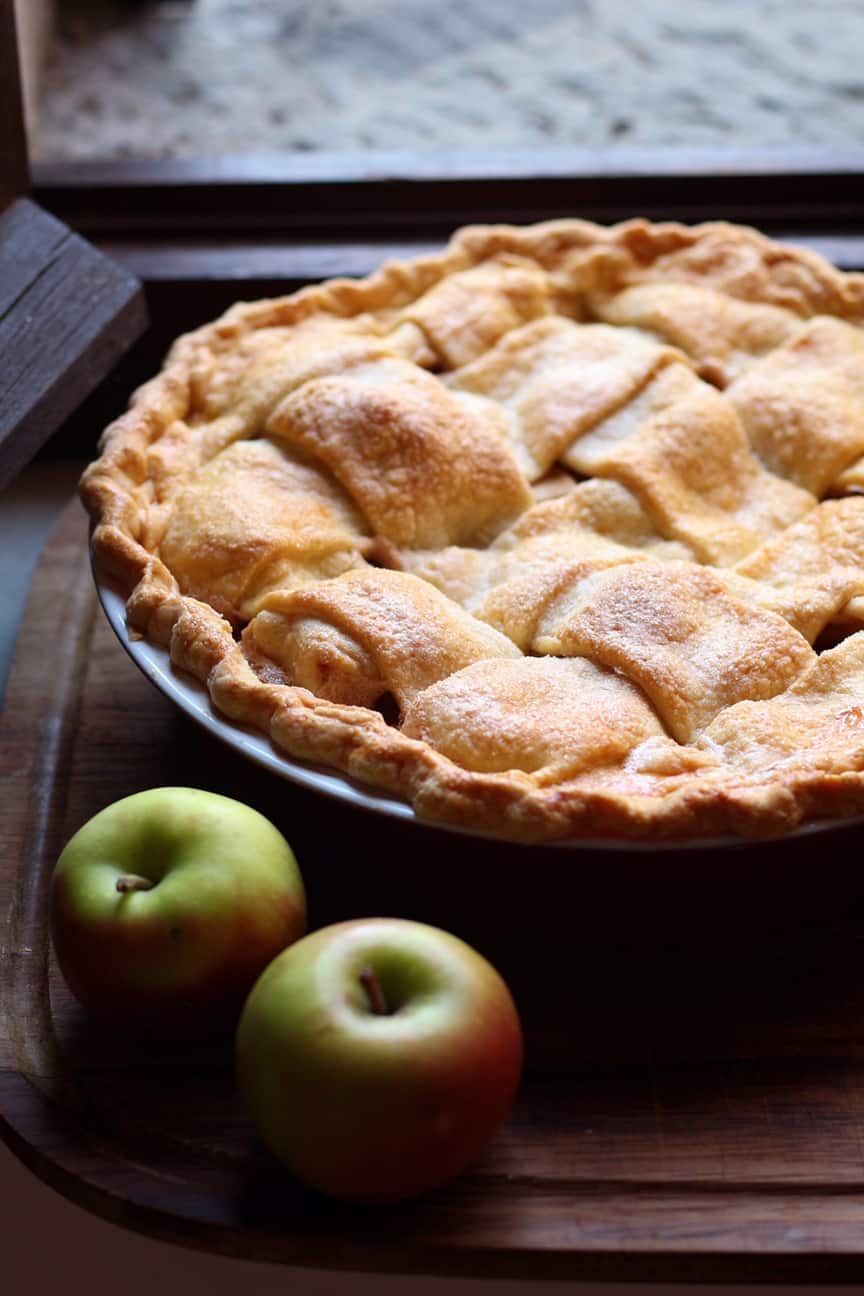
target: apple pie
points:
(558, 533)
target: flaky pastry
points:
(556, 534)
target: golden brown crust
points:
(685, 702)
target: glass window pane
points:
(204, 78)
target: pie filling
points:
(539, 533)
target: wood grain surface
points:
(330, 195)
(67, 314)
(692, 1108)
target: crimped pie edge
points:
(358, 741)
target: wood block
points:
(67, 314)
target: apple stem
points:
(374, 993)
(133, 882)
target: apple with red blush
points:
(378, 1057)
(167, 905)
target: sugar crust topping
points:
(555, 534)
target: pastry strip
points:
(370, 632)
(680, 448)
(555, 380)
(425, 471)
(810, 571)
(802, 406)
(723, 336)
(466, 314)
(548, 717)
(676, 631)
(255, 519)
(820, 717)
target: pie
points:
(558, 533)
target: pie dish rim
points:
(190, 696)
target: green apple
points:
(378, 1057)
(167, 905)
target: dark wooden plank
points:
(692, 1111)
(67, 314)
(302, 168)
(14, 166)
(29, 241)
(290, 265)
(356, 194)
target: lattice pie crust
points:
(538, 533)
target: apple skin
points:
(376, 1107)
(177, 959)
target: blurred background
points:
(202, 78)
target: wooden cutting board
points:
(691, 1111)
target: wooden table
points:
(690, 1112)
